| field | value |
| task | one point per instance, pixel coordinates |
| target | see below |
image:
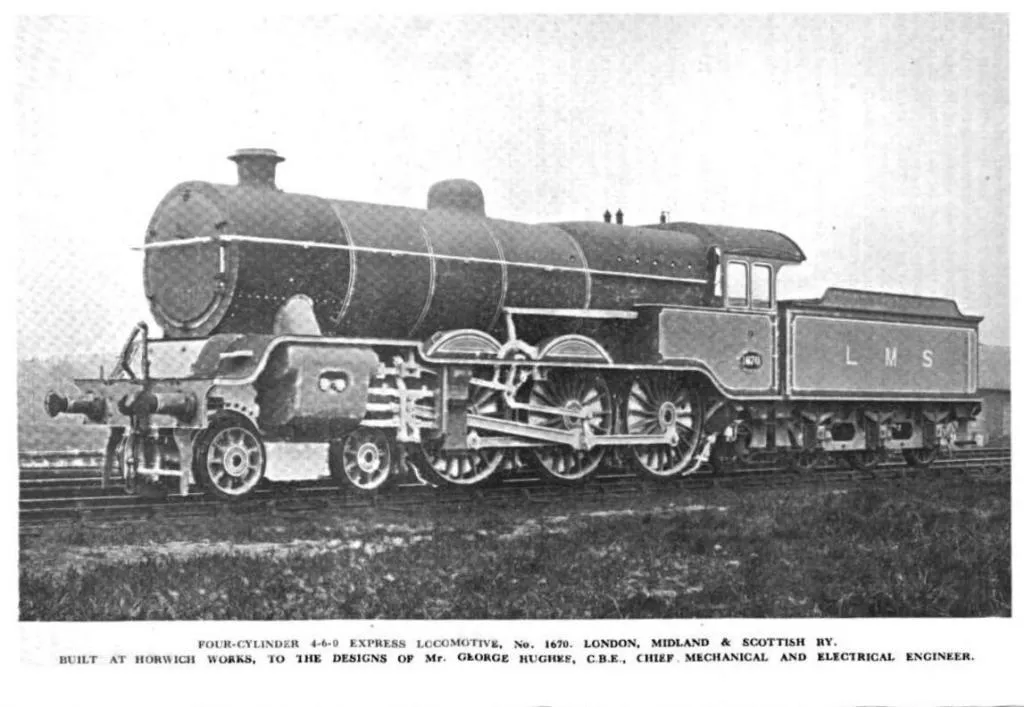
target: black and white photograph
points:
(396, 348)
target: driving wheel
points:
(655, 405)
(586, 395)
(230, 459)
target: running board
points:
(581, 438)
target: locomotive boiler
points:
(305, 336)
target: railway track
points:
(67, 489)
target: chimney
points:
(619, 217)
(256, 167)
(607, 216)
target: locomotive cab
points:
(738, 282)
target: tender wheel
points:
(579, 392)
(867, 460)
(366, 459)
(723, 457)
(230, 458)
(804, 461)
(656, 404)
(920, 457)
(727, 457)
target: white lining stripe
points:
(586, 269)
(388, 251)
(351, 287)
(804, 314)
(428, 299)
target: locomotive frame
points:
(663, 346)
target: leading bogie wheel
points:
(579, 392)
(230, 458)
(655, 405)
(366, 459)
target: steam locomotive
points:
(305, 337)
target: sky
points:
(880, 143)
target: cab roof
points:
(752, 242)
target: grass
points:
(937, 547)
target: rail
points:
(75, 495)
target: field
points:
(918, 547)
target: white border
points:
(993, 679)
(792, 386)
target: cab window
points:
(761, 286)
(736, 283)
